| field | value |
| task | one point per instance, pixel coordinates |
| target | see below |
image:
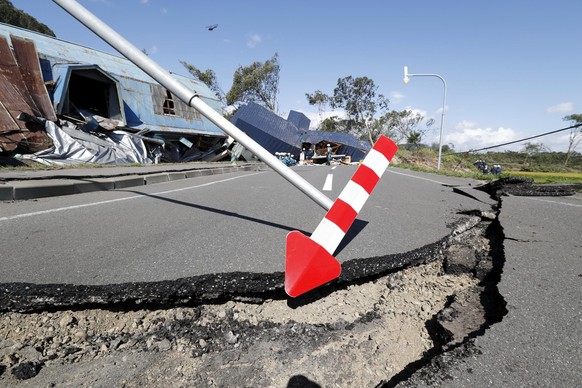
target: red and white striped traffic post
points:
(309, 261)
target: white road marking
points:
(327, 186)
(417, 177)
(61, 209)
(334, 167)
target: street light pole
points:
(406, 79)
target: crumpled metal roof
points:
(276, 134)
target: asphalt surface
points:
(539, 342)
(230, 222)
(237, 221)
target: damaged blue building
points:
(292, 135)
(47, 77)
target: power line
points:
(519, 141)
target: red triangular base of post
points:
(307, 265)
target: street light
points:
(406, 79)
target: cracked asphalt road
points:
(536, 343)
(539, 341)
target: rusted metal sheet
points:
(7, 122)
(10, 133)
(15, 99)
(10, 128)
(11, 84)
(29, 66)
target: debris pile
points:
(293, 136)
(73, 145)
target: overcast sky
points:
(513, 68)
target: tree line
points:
(365, 113)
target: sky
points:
(513, 69)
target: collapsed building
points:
(66, 102)
(292, 135)
(61, 102)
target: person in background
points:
(328, 155)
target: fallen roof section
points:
(276, 134)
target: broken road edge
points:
(191, 291)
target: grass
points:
(444, 171)
(32, 165)
(544, 171)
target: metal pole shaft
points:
(406, 75)
(189, 97)
(442, 123)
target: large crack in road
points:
(387, 321)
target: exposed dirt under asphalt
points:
(377, 325)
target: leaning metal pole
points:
(189, 97)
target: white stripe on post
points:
(376, 161)
(354, 195)
(328, 235)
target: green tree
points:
(406, 125)
(258, 82)
(333, 124)
(446, 148)
(532, 150)
(381, 126)
(15, 17)
(415, 138)
(359, 99)
(208, 77)
(320, 100)
(575, 135)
